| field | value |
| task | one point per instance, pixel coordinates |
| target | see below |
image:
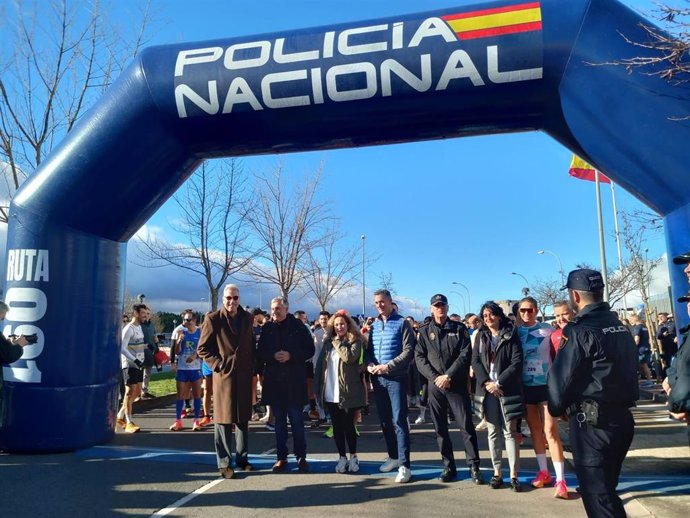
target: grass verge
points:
(163, 383)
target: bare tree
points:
(287, 223)
(386, 282)
(213, 221)
(639, 267)
(547, 292)
(671, 46)
(54, 62)
(330, 269)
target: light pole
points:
(469, 299)
(464, 307)
(560, 264)
(364, 283)
(525, 290)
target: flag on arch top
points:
(583, 171)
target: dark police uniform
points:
(445, 349)
(594, 380)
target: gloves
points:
(138, 363)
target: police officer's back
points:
(594, 380)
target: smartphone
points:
(32, 339)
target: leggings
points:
(343, 428)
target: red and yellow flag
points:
(497, 21)
(583, 171)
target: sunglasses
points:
(186, 319)
(232, 297)
(526, 310)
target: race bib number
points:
(535, 367)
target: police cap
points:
(584, 279)
(682, 258)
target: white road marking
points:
(182, 501)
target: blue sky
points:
(469, 210)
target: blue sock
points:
(179, 403)
(197, 407)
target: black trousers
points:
(343, 428)
(598, 454)
(439, 403)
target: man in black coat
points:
(594, 380)
(285, 346)
(443, 356)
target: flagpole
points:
(618, 244)
(602, 247)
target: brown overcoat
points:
(229, 353)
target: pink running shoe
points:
(542, 479)
(561, 490)
(177, 426)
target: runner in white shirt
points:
(132, 357)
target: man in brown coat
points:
(227, 347)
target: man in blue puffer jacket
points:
(389, 353)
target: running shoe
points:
(188, 412)
(389, 465)
(561, 490)
(206, 421)
(121, 423)
(353, 465)
(177, 425)
(329, 433)
(542, 479)
(404, 475)
(483, 425)
(420, 420)
(184, 413)
(131, 428)
(341, 467)
(196, 425)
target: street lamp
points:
(560, 264)
(525, 290)
(364, 284)
(469, 299)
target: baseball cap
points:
(682, 258)
(684, 298)
(584, 279)
(439, 299)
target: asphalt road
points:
(161, 473)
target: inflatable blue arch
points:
(499, 66)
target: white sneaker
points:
(524, 430)
(353, 465)
(389, 465)
(420, 420)
(404, 475)
(341, 467)
(481, 426)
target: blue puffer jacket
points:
(391, 343)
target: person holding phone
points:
(11, 349)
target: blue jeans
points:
(391, 403)
(294, 412)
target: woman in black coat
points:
(497, 365)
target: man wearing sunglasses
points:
(227, 347)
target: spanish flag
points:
(496, 22)
(583, 171)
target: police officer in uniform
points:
(443, 356)
(594, 381)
